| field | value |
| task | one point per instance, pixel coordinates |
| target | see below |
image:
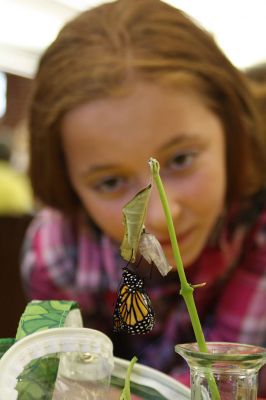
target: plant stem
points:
(126, 395)
(186, 289)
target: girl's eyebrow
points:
(101, 168)
(176, 140)
(181, 139)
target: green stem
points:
(186, 289)
(126, 395)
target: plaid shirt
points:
(64, 259)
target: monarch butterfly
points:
(133, 311)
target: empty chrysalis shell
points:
(151, 250)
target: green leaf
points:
(37, 380)
(144, 392)
(133, 218)
(5, 344)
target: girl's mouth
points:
(181, 238)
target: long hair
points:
(102, 52)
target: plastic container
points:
(85, 362)
(85, 366)
(53, 357)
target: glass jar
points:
(229, 371)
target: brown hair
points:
(257, 77)
(101, 51)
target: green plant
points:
(126, 395)
(134, 217)
(186, 289)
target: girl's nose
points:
(155, 219)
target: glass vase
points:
(229, 371)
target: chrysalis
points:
(133, 218)
(152, 251)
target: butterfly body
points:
(133, 311)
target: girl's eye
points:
(109, 185)
(182, 160)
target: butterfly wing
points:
(133, 310)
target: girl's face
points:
(108, 143)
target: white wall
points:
(28, 26)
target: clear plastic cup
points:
(85, 362)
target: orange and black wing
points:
(133, 310)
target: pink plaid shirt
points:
(64, 259)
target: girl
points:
(121, 83)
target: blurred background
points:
(27, 27)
